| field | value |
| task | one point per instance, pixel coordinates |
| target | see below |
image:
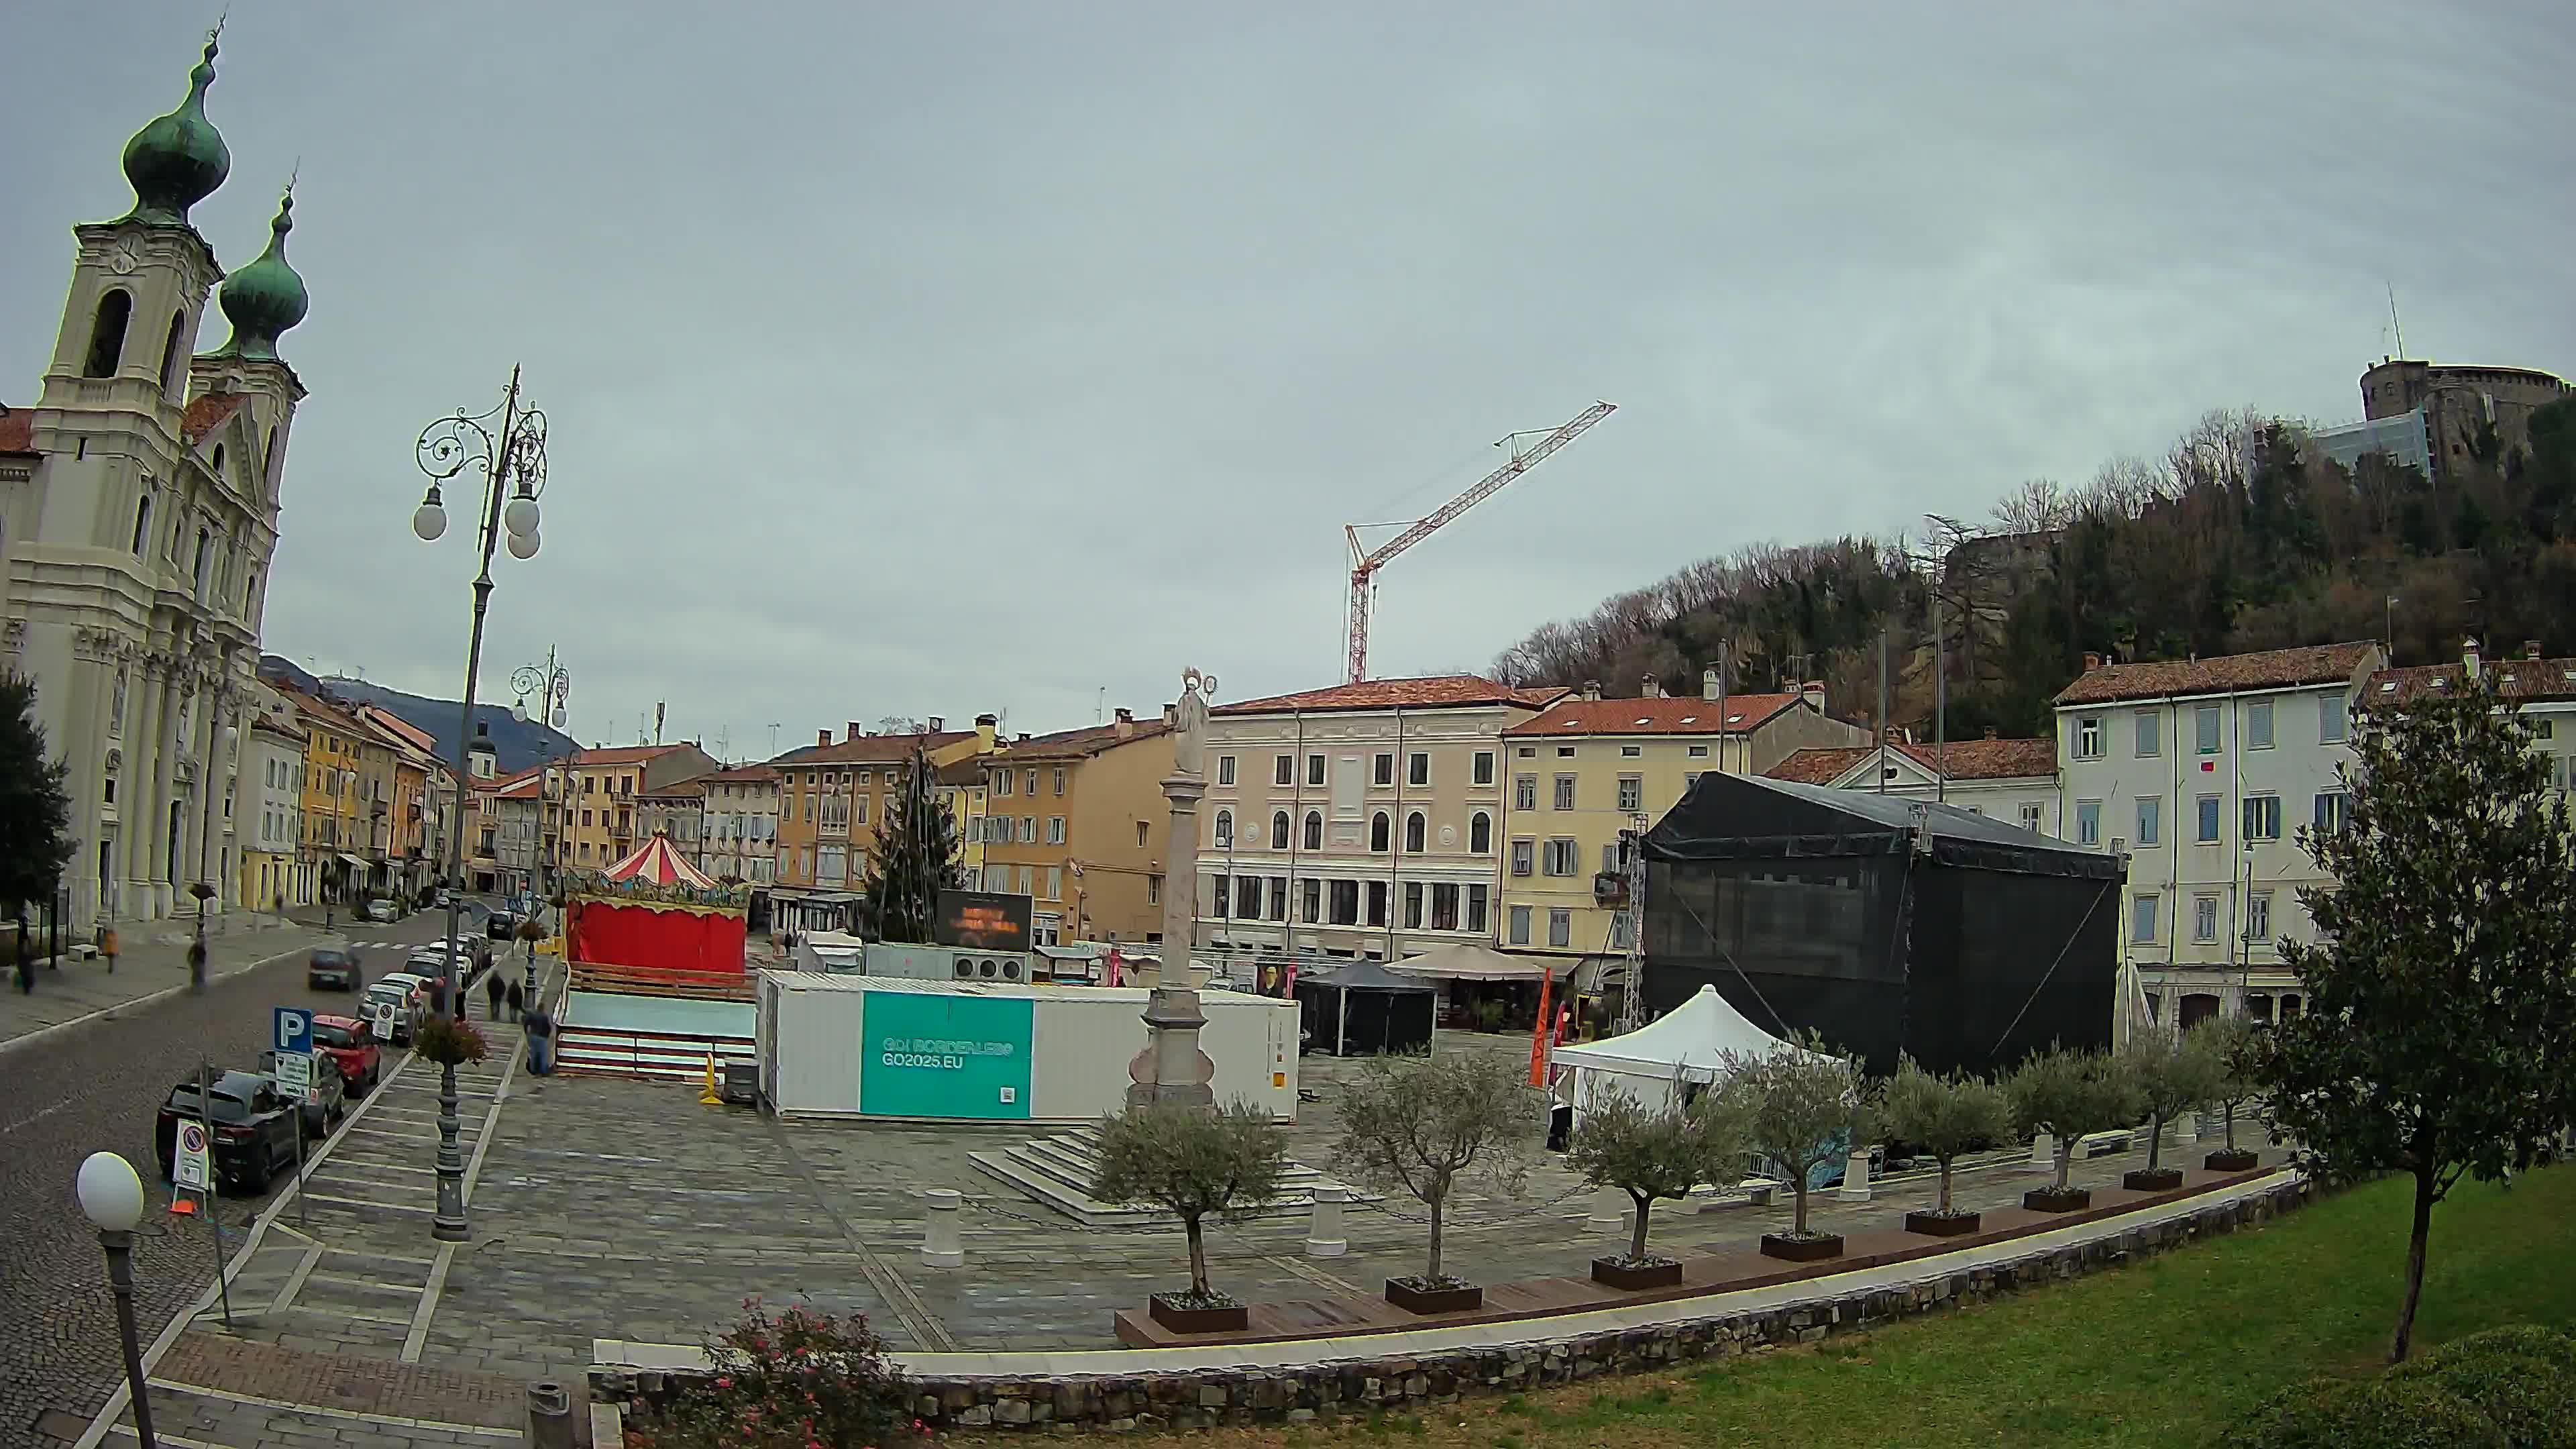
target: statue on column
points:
(1172, 1068)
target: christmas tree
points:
(914, 860)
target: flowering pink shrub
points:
(792, 1379)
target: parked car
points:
(335, 967)
(383, 911)
(334, 1103)
(408, 997)
(254, 1128)
(351, 1046)
(501, 926)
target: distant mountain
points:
(517, 745)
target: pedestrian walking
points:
(518, 1004)
(492, 994)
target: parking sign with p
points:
(291, 1029)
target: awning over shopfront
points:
(1470, 962)
(354, 862)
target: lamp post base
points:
(120, 1278)
(449, 1226)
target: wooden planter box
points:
(2235, 1159)
(1938, 1225)
(1233, 1318)
(2051, 1200)
(1405, 1295)
(2152, 1179)
(1614, 1273)
(1802, 1250)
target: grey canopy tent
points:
(1363, 1008)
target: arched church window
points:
(219, 460)
(142, 523)
(170, 350)
(107, 333)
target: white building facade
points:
(1343, 823)
(138, 514)
(741, 834)
(2201, 772)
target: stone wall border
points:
(1212, 1398)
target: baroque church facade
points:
(138, 515)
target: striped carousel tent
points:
(658, 863)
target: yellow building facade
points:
(1584, 772)
(334, 835)
(1077, 822)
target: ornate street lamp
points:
(513, 464)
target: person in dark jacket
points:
(518, 1003)
(492, 994)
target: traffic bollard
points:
(940, 1245)
(1324, 1234)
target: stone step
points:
(1057, 1171)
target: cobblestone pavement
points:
(629, 1210)
(98, 1085)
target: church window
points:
(107, 333)
(170, 350)
(205, 553)
(142, 523)
(219, 461)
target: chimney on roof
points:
(1125, 724)
(855, 731)
(1990, 732)
(2092, 661)
(987, 728)
(2469, 658)
(2530, 648)
(938, 724)
(1813, 692)
(822, 737)
(1172, 715)
(1023, 739)
(1653, 688)
(1709, 688)
(1592, 689)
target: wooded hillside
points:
(2240, 537)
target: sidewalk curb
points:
(43, 1032)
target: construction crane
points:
(1366, 562)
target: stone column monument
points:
(1171, 1068)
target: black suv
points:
(254, 1128)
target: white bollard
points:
(2043, 1152)
(2187, 1129)
(1855, 1186)
(1324, 1235)
(940, 1245)
(1610, 1209)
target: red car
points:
(351, 1046)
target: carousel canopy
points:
(657, 863)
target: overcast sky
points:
(934, 359)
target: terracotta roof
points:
(328, 712)
(1432, 692)
(273, 727)
(872, 749)
(207, 413)
(2270, 669)
(696, 785)
(1663, 716)
(1966, 760)
(968, 772)
(2515, 679)
(621, 754)
(1080, 744)
(400, 728)
(17, 431)
(741, 775)
(525, 787)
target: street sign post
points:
(188, 1165)
(295, 1074)
(291, 1030)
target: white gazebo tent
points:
(1659, 1062)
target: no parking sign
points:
(188, 1168)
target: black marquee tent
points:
(1887, 924)
(1362, 1009)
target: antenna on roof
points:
(2394, 325)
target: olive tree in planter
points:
(1193, 1164)
(1800, 1105)
(1652, 1154)
(1944, 1118)
(2175, 1072)
(2069, 1094)
(1423, 1124)
(2239, 1047)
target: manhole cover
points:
(60, 1425)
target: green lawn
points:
(2161, 1353)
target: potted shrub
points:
(1421, 1124)
(1653, 1154)
(2175, 1072)
(2240, 1048)
(1799, 1104)
(1944, 1118)
(2069, 1094)
(450, 1041)
(1193, 1164)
